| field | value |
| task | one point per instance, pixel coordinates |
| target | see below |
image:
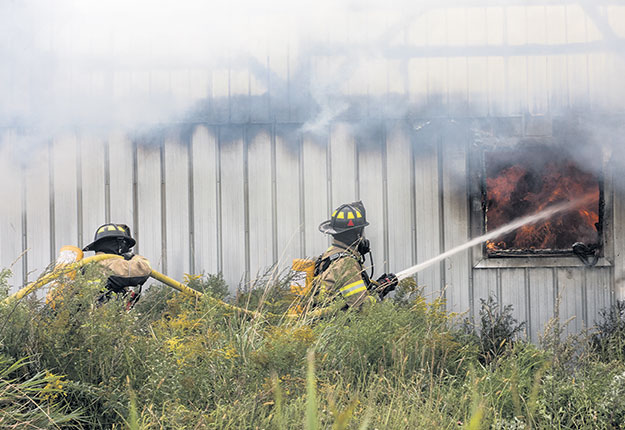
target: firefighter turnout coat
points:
(126, 273)
(342, 276)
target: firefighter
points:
(340, 271)
(127, 275)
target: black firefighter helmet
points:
(107, 231)
(346, 217)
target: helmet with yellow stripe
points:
(105, 232)
(346, 217)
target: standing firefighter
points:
(127, 275)
(340, 271)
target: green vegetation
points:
(181, 363)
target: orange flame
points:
(517, 185)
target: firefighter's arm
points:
(350, 283)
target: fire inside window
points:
(525, 181)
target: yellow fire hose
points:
(59, 271)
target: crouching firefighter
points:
(339, 272)
(126, 276)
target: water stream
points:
(520, 222)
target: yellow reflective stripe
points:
(353, 288)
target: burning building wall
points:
(230, 164)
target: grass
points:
(176, 362)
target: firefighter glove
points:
(387, 282)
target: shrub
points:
(608, 341)
(497, 329)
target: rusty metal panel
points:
(542, 300)
(260, 200)
(571, 299)
(513, 292)
(11, 193)
(287, 197)
(149, 221)
(38, 238)
(455, 220)
(205, 162)
(92, 188)
(176, 159)
(232, 205)
(427, 209)
(343, 165)
(316, 208)
(399, 224)
(120, 177)
(371, 193)
(485, 284)
(598, 293)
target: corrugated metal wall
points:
(245, 182)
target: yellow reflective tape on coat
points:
(353, 288)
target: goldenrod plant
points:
(187, 362)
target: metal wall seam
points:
(528, 301)
(79, 197)
(357, 169)
(24, 229)
(274, 196)
(220, 262)
(441, 214)
(51, 191)
(163, 205)
(135, 195)
(302, 199)
(468, 191)
(191, 202)
(107, 182)
(385, 195)
(246, 203)
(413, 197)
(329, 172)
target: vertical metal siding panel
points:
(577, 64)
(619, 233)
(399, 213)
(427, 210)
(121, 173)
(315, 195)
(205, 200)
(11, 209)
(343, 159)
(371, 194)
(37, 182)
(541, 283)
(485, 284)
(259, 174)
(92, 182)
(571, 298)
(455, 221)
(149, 204)
(557, 77)
(177, 201)
(495, 26)
(477, 67)
(65, 201)
(287, 199)
(536, 64)
(597, 293)
(232, 206)
(512, 284)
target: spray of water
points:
(530, 219)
